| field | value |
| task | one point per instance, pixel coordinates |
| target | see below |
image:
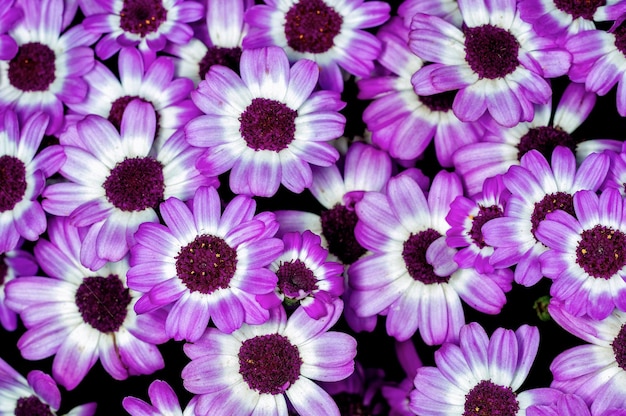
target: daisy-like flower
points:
(79, 315)
(207, 264)
(164, 402)
(252, 370)
(37, 394)
(329, 32)
(497, 63)
(13, 264)
(411, 275)
(305, 277)
(538, 188)
(587, 254)
(481, 372)
(268, 125)
(9, 16)
(49, 65)
(23, 173)
(501, 148)
(401, 122)
(145, 24)
(115, 183)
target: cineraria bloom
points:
(496, 62)
(13, 264)
(9, 16)
(502, 148)
(145, 24)
(79, 315)
(466, 218)
(329, 32)
(481, 375)
(305, 277)
(537, 189)
(206, 264)
(411, 274)
(164, 402)
(570, 405)
(116, 182)
(400, 121)
(446, 9)
(35, 395)
(587, 253)
(252, 370)
(23, 173)
(595, 371)
(268, 125)
(47, 70)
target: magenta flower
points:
(13, 264)
(164, 402)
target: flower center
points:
(414, 255)
(216, 55)
(549, 203)
(311, 26)
(338, 228)
(33, 68)
(439, 102)
(619, 348)
(142, 16)
(103, 302)
(118, 107)
(4, 269)
(269, 363)
(32, 406)
(491, 51)
(268, 124)
(295, 280)
(13, 180)
(206, 264)
(544, 140)
(484, 214)
(620, 38)
(579, 8)
(489, 399)
(135, 184)
(601, 252)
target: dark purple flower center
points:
(601, 251)
(311, 26)
(32, 69)
(489, 399)
(4, 269)
(215, 55)
(206, 264)
(135, 184)
(268, 124)
(103, 302)
(544, 140)
(13, 180)
(484, 214)
(295, 280)
(620, 37)
(338, 228)
(142, 16)
(414, 255)
(118, 107)
(32, 406)
(270, 364)
(619, 348)
(491, 51)
(439, 102)
(579, 8)
(550, 203)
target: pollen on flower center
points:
(206, 264)
(579, 8)
(619, 348)
(33, 68)
(601, 251)
(269, 363)
(135, 184)
(13, 180)
(268, 125)
(484, 214)
(32, 406)
(414, 255)
(439, 102)
(338, 228)
(117, 110)
(295, 280)
(142, 16)
(103, 302)
(491, 51)
(311, 26)
(544, 139)
(550, 203)
(215, 55)
(489, 399)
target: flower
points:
(165, 402)
(9, 16)
(255, 367)
(333, 35)
(237, 135)
(207, 265)
(398, 394)
(79, 315)
(13, 264)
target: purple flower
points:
(398, 394)
(9, 16)
(164, 402)
(13, 264)
(570, 405)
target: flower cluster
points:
(313, 207)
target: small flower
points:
(13, 264)
(164, 402)
(9, 16)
